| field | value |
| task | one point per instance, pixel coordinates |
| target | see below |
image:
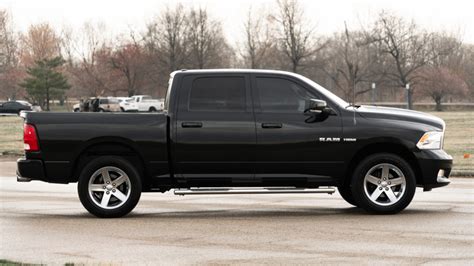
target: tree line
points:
(390, 53)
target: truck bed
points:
(64, 137)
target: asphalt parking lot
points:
(45, 223)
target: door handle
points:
(191, 124)
(271, 125)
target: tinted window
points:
(11, 104)
(281, 95)
(104, 101)
(218, 94)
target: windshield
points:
(112, 101)
(24, 103)
(333, 97)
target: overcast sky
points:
(329, 15)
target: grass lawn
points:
(459, 138)
(12, 263)
(11, 135)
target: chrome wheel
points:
(109, 187)
(384, 184)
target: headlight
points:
(432, 140)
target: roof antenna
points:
(353, 104)
(352, 82)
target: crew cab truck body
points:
(225, 130)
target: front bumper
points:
(435, 167)
(28, 170)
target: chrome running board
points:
(270, 190)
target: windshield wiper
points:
(353, 105)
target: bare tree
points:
(10, 71)
(257, 40)
(392, 52)
(296, 38)
(407, 46)
(41, 41)
(8, 43)
(350, 63)
(440, 82)
(92, 73)
(166, 38)
(446, 50)
(129, 61)
(467, 64)
(208, 47)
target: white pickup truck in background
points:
(146, 103)
(127, 104)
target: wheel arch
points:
(107, 146)
(393, 147)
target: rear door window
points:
(218, 94)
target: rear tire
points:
(383, 183)
(152, 109)
(109, 187)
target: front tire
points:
(383, 183)
(109, 187)
(346, 193)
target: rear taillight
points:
(30, 139)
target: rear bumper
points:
(28, 170)
(48, 171)
(435, 167)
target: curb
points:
(462, 173)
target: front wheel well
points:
(374, 148)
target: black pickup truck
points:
(239, 131)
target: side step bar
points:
(280, 190)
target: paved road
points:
(45, 223)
